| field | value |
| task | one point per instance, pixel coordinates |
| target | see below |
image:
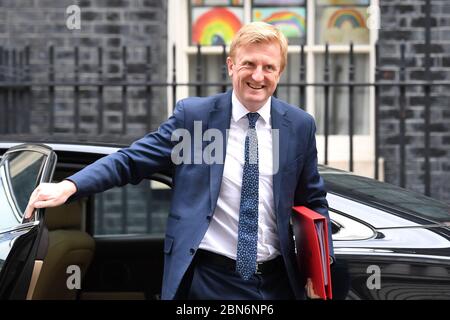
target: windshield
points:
(373, 192)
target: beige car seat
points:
(68, 246)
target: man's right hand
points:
(49, 195)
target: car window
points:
(20, 172)
(25, 169)
(133, 209)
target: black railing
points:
(14, 91)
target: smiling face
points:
(255, 71)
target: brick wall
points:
(110, 24)
(403, 21)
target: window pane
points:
(20, 173)
(341, 25)
(25, 170)
(290, 20)
(215, 25)
(338, 98)
(140, 209)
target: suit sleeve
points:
(310, 188)
(142, 158)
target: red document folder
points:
(311, 241)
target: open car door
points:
(23, 242)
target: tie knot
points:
(252, 118)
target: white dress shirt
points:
(221, 236)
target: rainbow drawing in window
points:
(215, 26)
(291, 21)
(342, 25)
(346, 15)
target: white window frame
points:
(338, 145)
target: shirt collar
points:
(239, 111)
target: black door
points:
(23, 242)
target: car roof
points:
(101, 149)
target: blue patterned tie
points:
(248, 211)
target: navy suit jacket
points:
(196, 186)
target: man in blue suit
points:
(228, 232)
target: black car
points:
(390, 243)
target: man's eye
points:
(269, 68)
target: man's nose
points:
(258, 74)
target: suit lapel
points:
(219, 118)
(283, 124)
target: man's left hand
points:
(310, 290)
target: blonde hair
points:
(260, 32)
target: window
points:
(215, 22)
(311, 23)
(20, 173)
(133, 209)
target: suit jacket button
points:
(192, 251)
(208, 218)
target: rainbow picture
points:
(291, 21)
(346, 15)
(342, 25)
(215, 26)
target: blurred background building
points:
(373, 73)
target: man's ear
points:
(230, 66)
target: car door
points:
(23, 242)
